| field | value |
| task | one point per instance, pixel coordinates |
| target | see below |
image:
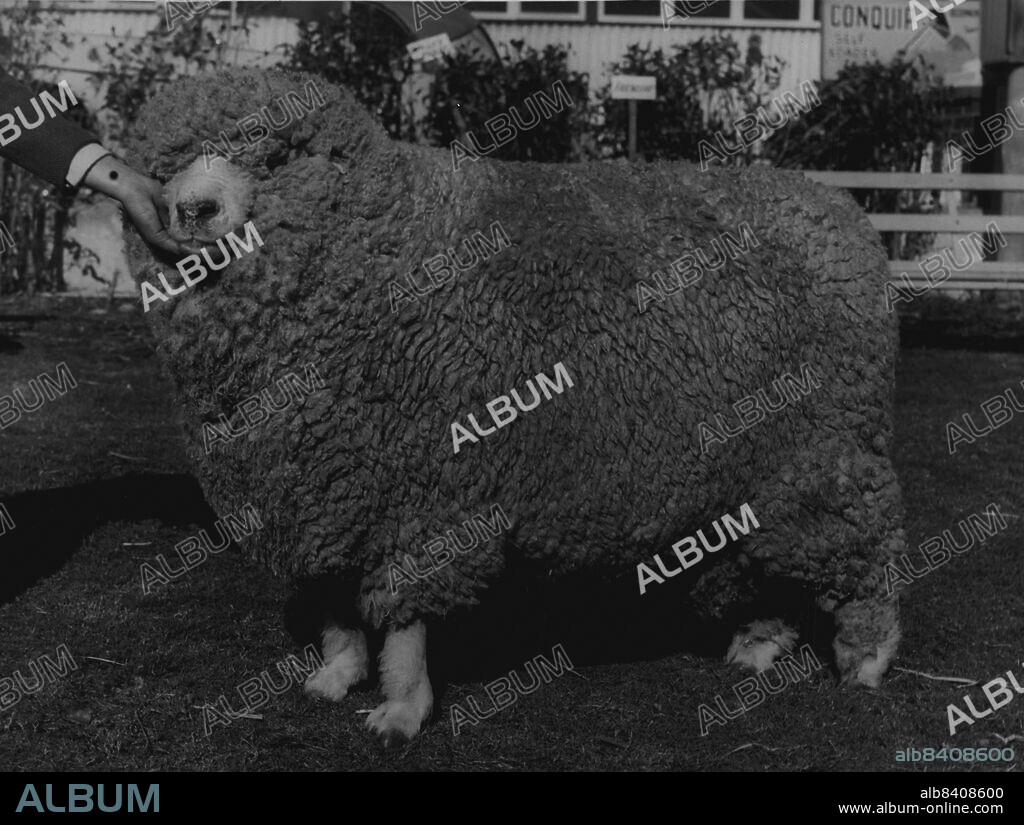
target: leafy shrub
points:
(873, 117)
(470, 89)
(34, 212)
(364, 51)
(703, 87)
(134, 71)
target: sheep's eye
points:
(747, 643)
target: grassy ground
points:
(97, 483)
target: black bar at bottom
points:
(837, 795)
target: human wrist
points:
(84, 159)
(110, 176)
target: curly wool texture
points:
(604, 475)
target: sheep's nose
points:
(197, 211)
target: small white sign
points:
(431, 48)
(634, 87)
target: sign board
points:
(430, 48)
(634, 87)
(863, 31)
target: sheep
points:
(614, 468)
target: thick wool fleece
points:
(604, 475)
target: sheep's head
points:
(206, 205)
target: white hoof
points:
(345, 652)
(397, 722)
(332, 683)
(405, 685)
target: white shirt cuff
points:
(83, 160)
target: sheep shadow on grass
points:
(51, 525)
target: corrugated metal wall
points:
(595, 46)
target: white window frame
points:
(75, 6)
(514, 12)
(734, 20)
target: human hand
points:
(142, 199)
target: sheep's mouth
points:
(194, 220)
(205, 236)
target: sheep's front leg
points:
(345, 664)
(405, 685)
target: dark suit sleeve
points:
(48, 149)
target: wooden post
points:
(633, 88)
(1011, 159)
(632, 130)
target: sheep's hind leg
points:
(405, 685)
(345, 664)
(867, 634)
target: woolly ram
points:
(599, 476)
